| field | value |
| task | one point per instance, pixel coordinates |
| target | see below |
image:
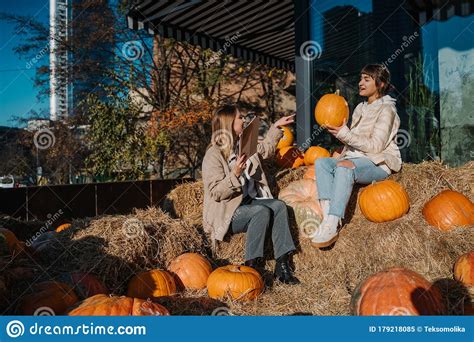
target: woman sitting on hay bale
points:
(237, 195)
(370, 152)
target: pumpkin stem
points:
(337, 92)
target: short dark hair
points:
(381, 76)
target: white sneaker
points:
(327, 233)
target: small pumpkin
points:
(104, 305)
(63, 227)
(151, 284)
(449, 209)
(49, 298)
(464, 269)
(241, 283)
(313, 153)
(384, 201)
(84, 284)
(397, 292)
(289, 157)
(192, 270)
(9, 243)
(287, 139)
(302, 196)
(331, 109)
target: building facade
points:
(428, 46)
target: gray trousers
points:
(255, 217)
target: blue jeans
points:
(335, 182)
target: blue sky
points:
(17, 92)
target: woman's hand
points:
(334, 130)
(286, 120)
(240, 165)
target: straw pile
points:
(330, 276)
(116, 247)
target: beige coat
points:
(373, 133)
(223, 190)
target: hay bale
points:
(328, 276)
(117, 247)
(186, 200)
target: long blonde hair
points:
(223, 135)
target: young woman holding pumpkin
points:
(370, 152)
(237, 197)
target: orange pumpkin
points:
(49, 298)
(103, 305)
(287, 139)
(10, 242)
(63, 227)
(397, 292)
(151, 284)
(301, 195)
(313, 153)
(464, 269)
(289, 157)
(384, 201)
(84, 284)
(332, 110)
(449, 209)
(310, 173)
(192, 270)
(241, 283)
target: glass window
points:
(429, 51)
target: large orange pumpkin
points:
(313, 153)
(151, 284)
(289, 157)
(103, 305)
(10, 242)
(464, 269)
(397, 292)
(287, 139)
(302, 196)
(49, 298)
(63, 227)
(84, 284)
(241, 283)
(384, 201)
(192, 270)
(449, 209)
(332, 110)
